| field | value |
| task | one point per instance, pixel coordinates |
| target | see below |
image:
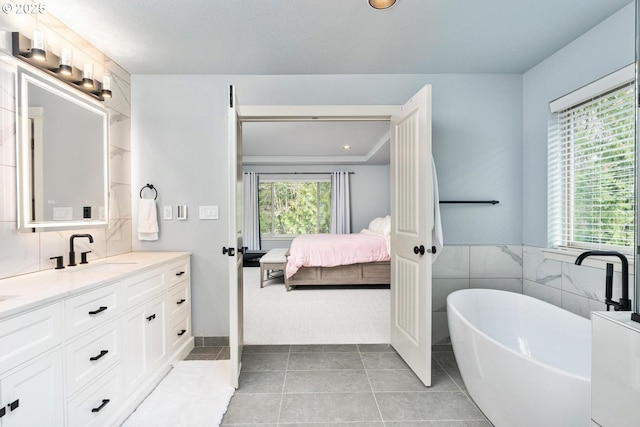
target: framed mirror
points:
(63, 152)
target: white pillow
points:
(386, 225)
(381, 225)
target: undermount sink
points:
(97, 268)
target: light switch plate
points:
(167, 212)
(208, 212)
(182, 212)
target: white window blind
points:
(592, 172)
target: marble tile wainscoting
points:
(521, 269)
(469, 266)
(577, 288)
(22, 253)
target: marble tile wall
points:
(522, 269)
(464, 266)
(577, 288)
(22, 253)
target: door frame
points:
(282, 113)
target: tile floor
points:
(352, 385)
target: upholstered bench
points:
(275, 259)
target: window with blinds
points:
(592, 172)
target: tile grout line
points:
(366, 373)
(284, 383)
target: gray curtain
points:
(340, 203)
(250, 211)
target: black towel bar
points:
(474, 202)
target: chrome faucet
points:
(72, 254)
(624, 303)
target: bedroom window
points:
(294, 207)
(591, 171)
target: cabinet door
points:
(133, 347)
(35, 392)
(156, 337)
(144, 347)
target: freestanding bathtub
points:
(524, 362)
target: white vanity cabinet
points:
(31, 372)
(615, 369)
(178, 308)
(144, 341)
(32, 394)
(91, 355)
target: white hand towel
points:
(147, 220)
(436, 233)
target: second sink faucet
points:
(72, 253)
(625, 302)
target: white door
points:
(411, 224)
(235, 249)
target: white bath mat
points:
(194, 393)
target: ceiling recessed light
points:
(346, 147)
(381, 4)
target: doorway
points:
(411, 134)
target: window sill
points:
(570, 254)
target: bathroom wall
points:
(22, 253)
(179, 137)
(365, 204)
(606, 48)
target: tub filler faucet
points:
(624, 303)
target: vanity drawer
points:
(179, 272)
(179, 333)
(99, 403)
(90, 355)
(179, 300)
(29, 334)
(142, 287)
(92, 309)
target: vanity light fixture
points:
(65, 62)
(87, 76)
(106, 86)
(60, 67)
(38, 52)
(381, 4)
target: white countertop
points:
(623, 318)
(21, 293)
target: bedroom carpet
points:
(194, 393)
(312, 315)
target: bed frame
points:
(371, 273)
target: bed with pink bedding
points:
(338, 259)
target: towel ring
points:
(151, 187)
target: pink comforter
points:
(330, 250)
